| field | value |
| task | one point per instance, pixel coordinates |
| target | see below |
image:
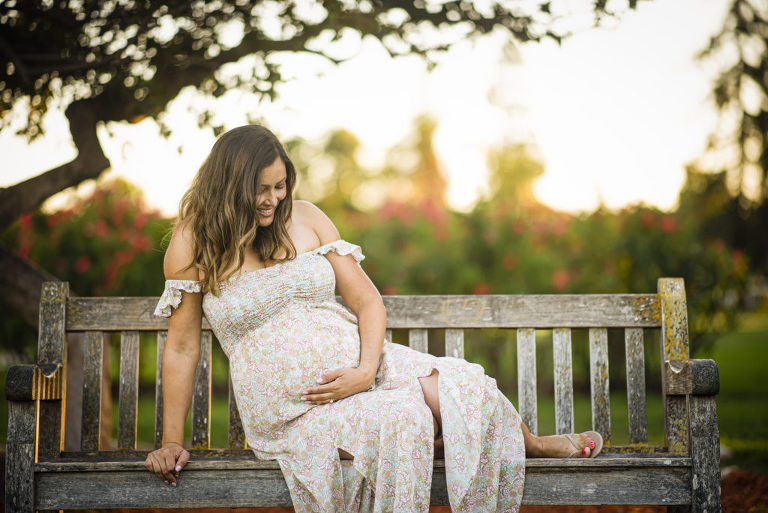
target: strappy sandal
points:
(595, 444)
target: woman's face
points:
(272, 190)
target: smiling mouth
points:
(266, 212)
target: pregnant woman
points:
(316, 382)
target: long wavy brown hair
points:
(220, 206)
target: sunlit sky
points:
(614, 113)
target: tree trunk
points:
(89, 163)
(21, 283)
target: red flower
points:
(100, 229)
(140, 242)
(560, 280)
(509, 262)
(481, 289)
(668, 224)
(82, 264)
(647, 218)
(140, 221)
(517, 227)
(25, 221)
(388, 290)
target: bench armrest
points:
(32, 382)
(691, 377)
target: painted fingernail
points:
(583, 450)
(178, 468)
(173, 484)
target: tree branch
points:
(89, 163)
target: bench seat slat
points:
(493, 311)
(635, 360)
(91, 414)
(587, 483)
(561, 342)
(600, 392)
(129, 390)
(526, 377)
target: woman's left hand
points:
(338, 384)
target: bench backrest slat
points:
(563, 378)
(635, 360)
(129, 390)
(404, 312)
(201, 400)
(526, 377)
(599, 389)
(674, 346)
(161, 337)
(417, 340)
(454, 343)
(92, 364)
(236, 434)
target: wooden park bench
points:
(682, 473)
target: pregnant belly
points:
(270, 375)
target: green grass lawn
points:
(742, 359)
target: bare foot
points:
(561, 446)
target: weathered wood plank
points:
(635, 359)
(52, 349)
(20, 456)
(129, 390)
(544, 485)
(245, 460)
(161, 338)
(599, 387)
(526, 377)
(492, 311)
(417, 339)
(454, 343)
(705, 454)
(236, 435)
(91, 413)
(691, 377)
(201, 399)
(561, 347)
(674, 346)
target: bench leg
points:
(20, 457)
(705, 454)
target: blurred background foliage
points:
(110, 243)
(107, 242)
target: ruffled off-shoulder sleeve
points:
(172, 295)
(342, 247)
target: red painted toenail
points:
(583, 450)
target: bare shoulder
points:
(180, 254)
(310, 215)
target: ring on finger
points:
(330, 401)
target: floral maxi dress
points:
(281, 327)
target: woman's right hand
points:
(167, 462)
